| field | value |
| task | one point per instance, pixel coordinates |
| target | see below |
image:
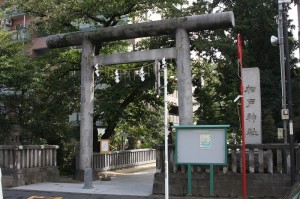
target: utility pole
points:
(282, 69)
(284, 4)
(289, 93)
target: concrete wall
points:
(18, 177)
(225, 185)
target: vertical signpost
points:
(166, 130)
(208, 142)
(104, 149)
(252, 106)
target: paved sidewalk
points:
(135, 181)
(131, 183)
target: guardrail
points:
(122, 159)
(260, 158)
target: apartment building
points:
(19, 24)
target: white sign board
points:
(252, 105)
(104, 146)
(205, 141)
(202, 144)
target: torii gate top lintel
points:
(153, 28)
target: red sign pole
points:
(240, 58)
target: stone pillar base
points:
(79, 175)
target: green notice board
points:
(201, 144)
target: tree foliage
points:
(255, 22)
(16, 79)
(67, 15)
(50, 83)
(57, 91)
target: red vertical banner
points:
(240, 50)
(240, 59)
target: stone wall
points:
(19, 177)
(225, 185)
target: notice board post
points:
(201, 145)
(104, 149)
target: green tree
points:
(57, 93)
(67, 15)
(270, 133)
(252, 17)
(216, 47)
(55, 96)
(127, 100)
(296, 102)
(16, 78)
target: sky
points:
(293, 15)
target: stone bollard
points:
(88, 178)
(1, 194)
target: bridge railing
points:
(28, 156)
(122, 159)
(260, 158)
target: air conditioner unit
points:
(8, 22)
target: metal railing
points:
(122, 159)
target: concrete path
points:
(135, 181)
(131, 183)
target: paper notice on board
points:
(104, 146)
(205, 141)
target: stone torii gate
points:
(88, 39)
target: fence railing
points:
(260, 158)
(122, 159)
(28, 156)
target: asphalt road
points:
(29, 194)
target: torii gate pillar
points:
(86, 111)
(184, 77)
